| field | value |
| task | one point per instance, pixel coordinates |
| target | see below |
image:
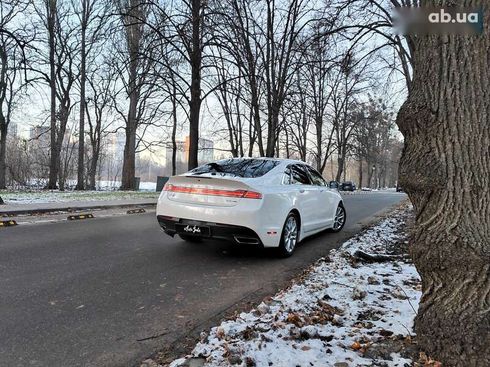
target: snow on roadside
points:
(333, 315)
(41, 197)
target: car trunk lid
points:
(209, 190)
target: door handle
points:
(301, 190)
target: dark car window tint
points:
(299, 175)
(249, 168)
(316, 178)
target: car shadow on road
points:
(319, 244)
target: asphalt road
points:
(112, 291)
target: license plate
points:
(193, 230)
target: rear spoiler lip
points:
(244, 180)
(195, 176)
(238, 182)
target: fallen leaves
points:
(295, 319)
(356, 346)
(426, 361)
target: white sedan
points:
(250, 201)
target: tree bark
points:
(174, 129)
(195, 104)
(359, 184)
(83, 77)
(341, 162)
(127, 180)
(93, 169)
(445, 169)
(95, 140)
(3, 153)
(134, 34)
(4, 115)
(129, 158)
(51, 12)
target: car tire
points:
(289, 235)
(187, 238)
(339, 219)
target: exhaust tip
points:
(246, 240)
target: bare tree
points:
(319, 71)
(373, 140)
(11, 60)
(98, 107)
(281, 32)
(92, 17)
(135, 64)
(238, 21)
(350, 81)
(296, 120)
(51, 11)
(230, 91)
(62, 46)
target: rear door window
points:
(249, 168)
(316, 178)
(299, 176)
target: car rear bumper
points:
(263, 217)
(237, 234)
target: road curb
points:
(7, 223)
(81, 216)
(69, 209)
(136, 211)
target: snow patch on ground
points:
(55, 196)
(332, 316)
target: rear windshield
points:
(249, 168)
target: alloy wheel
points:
(290, 234)
(339, 218)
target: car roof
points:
(282, 160)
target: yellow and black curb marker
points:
(8, 223)
(136, 211)
(80, 216)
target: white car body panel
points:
(316, 205)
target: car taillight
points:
(252, 195)
(213, 192)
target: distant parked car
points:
(334, 185)
(347, 186)
(250, 201)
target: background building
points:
(40, 137)
(205, 155)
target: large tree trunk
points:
(134, 39)
(129, 161)
(340, 163)
(51, 11)
(359, 184)
(92, 173)
(195, 104)
(255, 106)
(129, 158)
(3, 116)
(445, 169)
(174, 130)
(3, 153)
(81, 139)
(273, 124)
(319, 142)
